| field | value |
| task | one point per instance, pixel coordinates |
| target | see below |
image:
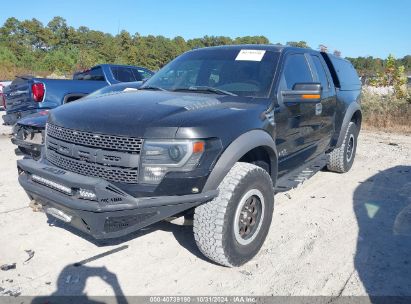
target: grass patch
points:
(386, 113)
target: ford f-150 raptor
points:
(212, 136)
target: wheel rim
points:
(249, 217)
(350, 147)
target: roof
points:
(267, 47)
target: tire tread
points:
(209, 218)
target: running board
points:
(298, 176)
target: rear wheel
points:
(231, 228)
(341, 159)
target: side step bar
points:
(298, 176)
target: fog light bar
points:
(51, 184)
(59, 214)
(87, 194)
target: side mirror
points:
(312, 87)
(307, 92)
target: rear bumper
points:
(12, 118)
(113, 212)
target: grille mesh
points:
(110, 142)
(114, 174)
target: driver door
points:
(298, 113)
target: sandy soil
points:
(337, 234)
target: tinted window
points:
(296, 70)
(93, 74)
(124, 74)
(144, 73)
(220, 69)
(322, 76)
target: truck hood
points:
(154, 114)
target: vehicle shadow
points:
(71, 285)
(183, 235)
(382, 205)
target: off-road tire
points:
(214, 221)
(338, 159)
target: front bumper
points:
(25, 147)
(114, 213)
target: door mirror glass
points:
(313, 87)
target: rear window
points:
(344, 74)
(322, 76)
(127, 74)
(93, 74)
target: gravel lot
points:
(337, 234)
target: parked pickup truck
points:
(27, 94)
(212, 135)
(28, 132)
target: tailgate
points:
(18, 95)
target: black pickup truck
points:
(212, 136)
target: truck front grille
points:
(112, 158)
(113, 174)
(103, 141)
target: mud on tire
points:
(231, 228)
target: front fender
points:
(239, 147)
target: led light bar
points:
(51, 184)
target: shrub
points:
(386, 112)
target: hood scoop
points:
(191, 103)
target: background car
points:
(28, 132)
(27, 94)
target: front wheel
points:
(231, 228)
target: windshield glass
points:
(222, 69)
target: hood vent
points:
(191, 103)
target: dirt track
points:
(337, 234)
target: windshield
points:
(229, 70)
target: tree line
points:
(30, 47)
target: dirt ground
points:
(337, 234)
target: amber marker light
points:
(198, 147)
(311, 96)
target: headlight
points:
(159, 157)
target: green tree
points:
(300, 44)
(393, 75)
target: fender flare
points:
(349, 113)
(239, 147)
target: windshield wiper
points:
(204, 89)
(152, 88)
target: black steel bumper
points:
(112, 213)
(32, 149)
